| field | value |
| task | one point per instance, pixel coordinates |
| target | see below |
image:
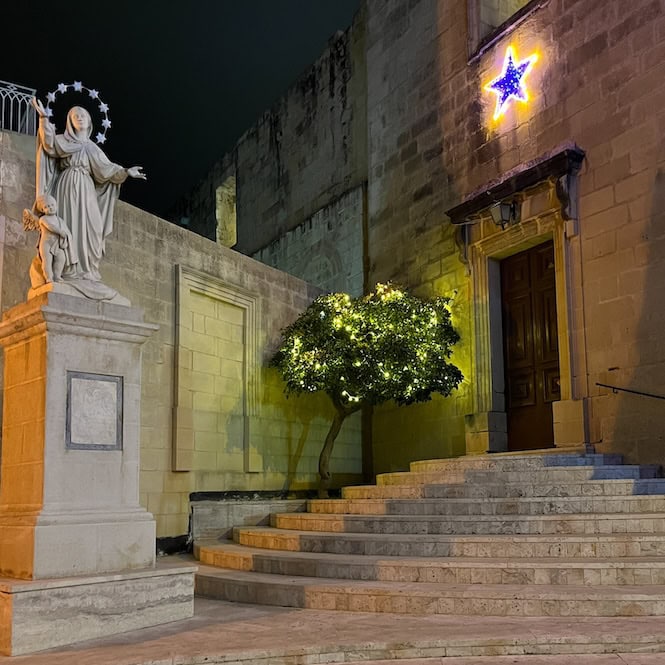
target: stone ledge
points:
(216, 519)
(42, 614)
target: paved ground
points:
(222, 632)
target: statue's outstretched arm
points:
(46, 131)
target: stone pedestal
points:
(571, 423)
(69, 496)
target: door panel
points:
(531, 353)
(522, 388)
(519, 348)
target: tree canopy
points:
(388, 345)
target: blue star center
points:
(511, 82)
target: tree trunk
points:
(324, 458)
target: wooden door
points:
(530, 346)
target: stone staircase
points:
(547, 534)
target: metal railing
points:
(16, 112)
(616, 389)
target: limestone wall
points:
(327, 249)
(305, 152)
(266, 443)
(599, 83)
(409, 239)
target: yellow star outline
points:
(510, 84)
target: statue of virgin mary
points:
(85, 185)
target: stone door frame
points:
(546, 215)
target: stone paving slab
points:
(229, 633)
(602, 659)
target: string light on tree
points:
(510, 84)
(385, 346)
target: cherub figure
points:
(55, 240)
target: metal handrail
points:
(616, 389)
(16, 111)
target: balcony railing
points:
(16, 112)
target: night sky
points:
(183, 80)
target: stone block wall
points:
(410, 241)
(305, 152)
(326, 249)
(599, 83)
(141, 258)
(17, 159)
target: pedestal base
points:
(76, 543)
(39, 615)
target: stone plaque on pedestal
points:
(94, 411)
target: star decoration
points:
(511, 82)
(77, 86)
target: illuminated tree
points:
(385, 346)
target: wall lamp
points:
(505, 213)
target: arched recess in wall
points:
(323, 267)
(225, 212)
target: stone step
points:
(490, 506)
(432, 598)
(478, 570)
(508, 490)
(513, 462)
(572, 523)
(256, 635)
(432, 545)
(550, 476)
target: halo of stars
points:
(77, 86)
(510, 84)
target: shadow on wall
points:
(634, 425)
(298, 429)
(301, 423)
